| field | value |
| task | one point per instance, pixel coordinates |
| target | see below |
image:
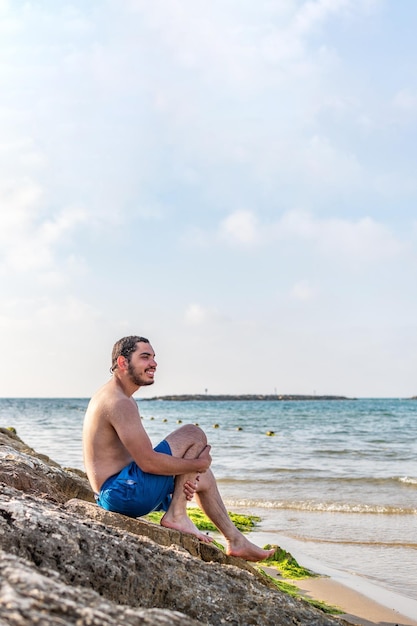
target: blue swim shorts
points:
(136, 493)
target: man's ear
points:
(122, 363)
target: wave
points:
(408, 480)
(322, 507)
(350, 542)
(315, 476)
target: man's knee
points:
(194, 433)
(185, 437)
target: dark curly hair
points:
(125, 347)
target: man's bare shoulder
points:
(110, 402)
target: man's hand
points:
(206, 458)
(190, 487)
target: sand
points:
(359, 609)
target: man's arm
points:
(128, 425)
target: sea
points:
(334, 482)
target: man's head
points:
(125, 347)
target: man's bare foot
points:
(184, 525)
(247, 550)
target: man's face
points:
(142, 365)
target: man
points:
(130, 477)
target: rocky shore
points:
(66, 561)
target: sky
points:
(234, 180)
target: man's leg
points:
(186, 442)
(209, 500)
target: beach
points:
(333, 482)
(361, 602)
(358, 607)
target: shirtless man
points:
(130, 477)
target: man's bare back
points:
(104, 453)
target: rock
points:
(28, 471)
(159, 534)
(66, 561)
(30, 597)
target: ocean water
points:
(334, 482)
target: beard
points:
(136, 378)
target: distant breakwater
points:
(246, 397)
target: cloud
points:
(358, 240)
(405, 101)
(240, 227)
(313, 13)
(244, 47)
(355, 240)
(326, 164)
(195, 315)
(30, 239)
(302, 291)
(45, 314)
(199, 316)
(219, 82)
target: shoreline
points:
(358, 608)
(364, 602)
